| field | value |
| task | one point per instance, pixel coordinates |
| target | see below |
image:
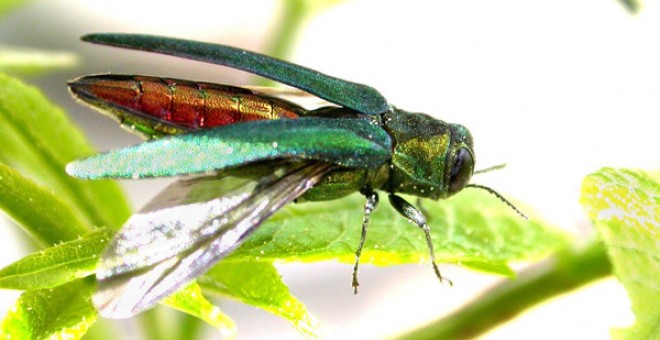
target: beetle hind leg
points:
(369, 206)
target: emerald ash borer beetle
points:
(357, 142)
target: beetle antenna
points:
(490, 168)
(496, 194)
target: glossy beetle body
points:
(286, 152)
(423, 151)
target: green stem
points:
(99, 330)
(8, 5)
(154, 325)
(169, 324)
(633, 6)
(569, 269)
(287, 28)
(190, 327)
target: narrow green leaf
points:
(39, 140)
(625, 207)
(33, 62)
(57, 265)
(260, 285)
(43, 215)
(191, 300)
(472, 228)
(65, 312)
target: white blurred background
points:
(554, 88)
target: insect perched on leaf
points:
(281, 151)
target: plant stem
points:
(190, 327)
(569, 269)
(154, 325)
(632, 5)
(289, 26)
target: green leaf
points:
(260, 285)
(57, 265)
(625, 207)
(33, 62)
(65, 312)
(191, 300)
(43, 215)
(39, 140)
(471, 228)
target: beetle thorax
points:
(421, 149)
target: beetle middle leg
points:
(416, 217)
(369, 206)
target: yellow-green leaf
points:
(625, 207)
(37, 210)
(56, 265)
(191, 300)
(472, 228)
(39, 140)
(64, 312)
(260, 285)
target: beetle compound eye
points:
(461, 170)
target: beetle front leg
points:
(369, 206)
(415, 216)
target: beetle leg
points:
(369, 206)
(415, 216)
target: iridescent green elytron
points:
(282, 151)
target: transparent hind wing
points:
(291, 94)
(190, 226)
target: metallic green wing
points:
(350, 142)
(359, 97)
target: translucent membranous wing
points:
(291, 94)
(350, 142)
(189, 227)
(359, 97)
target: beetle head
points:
(431, 158)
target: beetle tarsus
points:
(369, 206)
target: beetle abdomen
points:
(187, 104)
